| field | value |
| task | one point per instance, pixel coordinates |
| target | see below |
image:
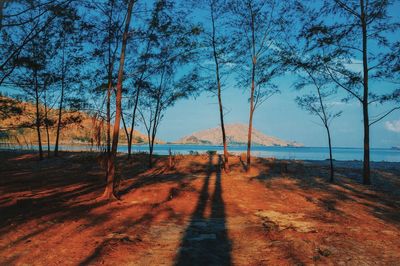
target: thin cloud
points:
(393, 126)
(355, 65)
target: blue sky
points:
(279, 116)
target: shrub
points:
(194, 153)
(211, 152)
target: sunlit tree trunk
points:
(253, 76)
(46, 119)
(109, 84)
(133, 123)
(61, 100)
(217, 72)
(109, 190)
(38, 116)
(108, 113)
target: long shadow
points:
(312, 177)
(206, 241)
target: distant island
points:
(236, 135)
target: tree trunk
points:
(154, 130)
(46, 121)
(325, 120)
(249, 133)
(109, 83)
(61, 100)
(133, 124)
(109, 190)
(126, 131)
(38, 116)
(151, 156)
(330, 154)
(169, 158)
(137, 101)
(221, 115)
(366, 164)
(221, 109)
(108, 113)
(253, 76)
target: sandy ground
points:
(280, 213)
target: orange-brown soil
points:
(279, 213)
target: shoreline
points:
(353, 164)
(209, 145)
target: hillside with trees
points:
(78, 127)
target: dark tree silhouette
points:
(70, 62)
(215, 56)
(346, 31)
(255, 25)
(20, 23)
(172, 75)
(308, 65)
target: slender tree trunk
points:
(132, 130)
(133, 123)
(221, 116)
(109, 190)
(169, 158)
(249, 133)
(151, 147)
(330, 154)
(48, 140)
(149, 143)
(366, 164)
(46, 120)
(154, 131)
(221, 109)
(325, 120)
(109, 85)
(253, 76)
(108, 114)
(38, 116)
(61, 100)
(125, 129)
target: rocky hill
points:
(17, 126)
(236, 135)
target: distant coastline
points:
(276, 152)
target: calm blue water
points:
(301, 153)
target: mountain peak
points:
(236, 134)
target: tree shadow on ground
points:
(65, 192)
(380, 198)
(206, 241)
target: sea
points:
(288, 153)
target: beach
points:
(282, 212)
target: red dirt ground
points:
(280, 213)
